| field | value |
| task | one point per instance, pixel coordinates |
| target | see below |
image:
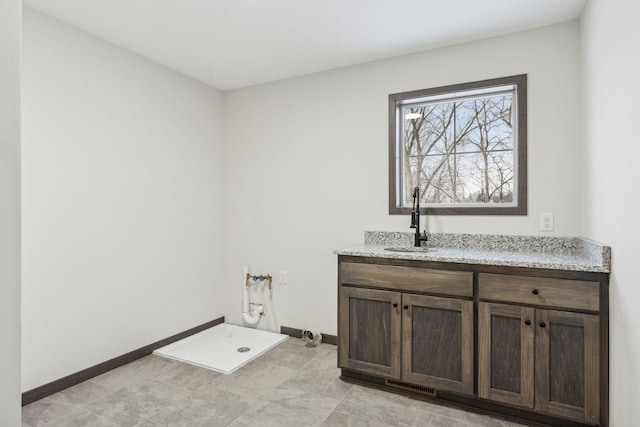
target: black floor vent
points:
(411, 387)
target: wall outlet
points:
(546, 222)
(283, 277)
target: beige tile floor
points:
(291, 385)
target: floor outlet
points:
(283, 277)
(546, 222)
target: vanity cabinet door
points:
(567, 364)
(506, 353)
(437, 342)
(369, 331)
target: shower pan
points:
(223, 348)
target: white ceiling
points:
(229, 44)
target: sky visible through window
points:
(460, 150)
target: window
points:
(464, 146)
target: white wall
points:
(10, 23)
(610, 37)
(122, 218)
(307, 162)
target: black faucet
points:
(415, 219)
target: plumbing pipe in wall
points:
(252, 317)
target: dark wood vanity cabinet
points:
(524, 339)
(540, 359)
(398, 334)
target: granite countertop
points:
(559, 253)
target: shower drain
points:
(243, 349)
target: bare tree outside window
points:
(464, 146)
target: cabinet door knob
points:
(542, 324)
(395, 304)
(527, 322)
(535, 292)
(406, 307)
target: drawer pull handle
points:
(527, 322)
(406, 307)
(542, 324)
(395, 304)
(535, 292)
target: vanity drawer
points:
(571, 294)
(412, 279)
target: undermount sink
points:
(419, 249)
